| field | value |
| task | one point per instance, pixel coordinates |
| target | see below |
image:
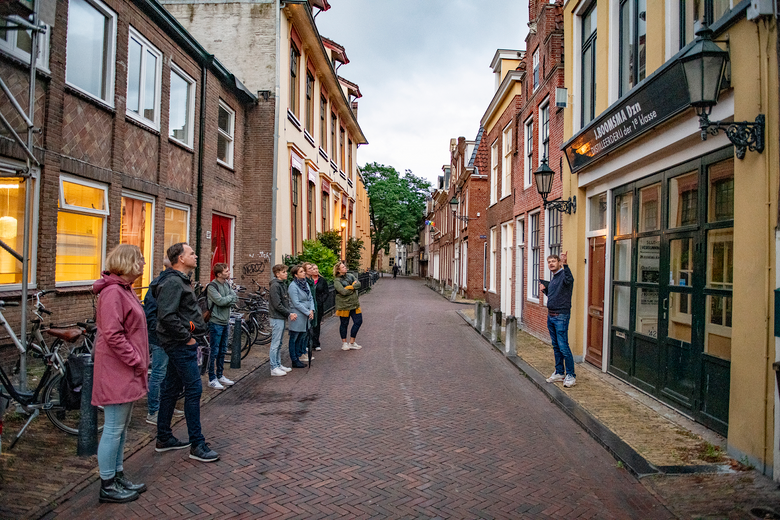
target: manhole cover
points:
(764, 512)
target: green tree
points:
(396, 205)
(332, 240)
(353, 256)
(315, 253)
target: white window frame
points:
(528, 148)
(190, 108)
(544, 106)
(180, 207)
(80, 209)
(146, 46)
(8, 46)
(109, 57)
(148, 199)
(506, 164)
(493, 258)
(530, 274)
(231, 136)
(494, 172)
(537, 70)
(9, 168)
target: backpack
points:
(203, 303)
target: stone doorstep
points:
(653, 453)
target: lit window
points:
(226, 124)
(144, 68)
(177, 225)
(18, 43)
(12, 201)
(137, 229)
(81, 231)
(91, 48)
(182, 106)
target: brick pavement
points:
(424, 421)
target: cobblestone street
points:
(424, 421)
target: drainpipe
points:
(275, 180)
(201, 148)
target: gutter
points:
(277, 123)
(201, 148)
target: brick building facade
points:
(150, 141)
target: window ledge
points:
(226, 166)
(15, 291)
(142, 122)
(180, 144)
(324, 154)
(504, 196)
(309, 138)
(334, 166)
(85, 96)
(294, 120)
(532, 299)
(75, 288)
(343, 175)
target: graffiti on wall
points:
(257, 268)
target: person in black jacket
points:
(319, 286)
(279, 311)
(558, 292)
(179, 320)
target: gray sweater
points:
(221, 298)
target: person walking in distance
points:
(279, 312)
(346, 285)
(319, 286)
(121, 361)
(158, 355)
(301, 301)
(179, 320)
(558, 292)
(395, 270)
(221, 298)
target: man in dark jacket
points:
(279, 311)
(319, 288)
(179, 320)
(558, 292)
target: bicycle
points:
(48, 395)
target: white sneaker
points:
(286, 369)
(345, 346)
(555, 377)
(569, 381)
(178, 413)
(278, 371)
(354, 346)
(214, 383)
(225, 381)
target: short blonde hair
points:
(336, 268)
(124, 259)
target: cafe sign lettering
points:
(662, 96)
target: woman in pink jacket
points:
(121, 362)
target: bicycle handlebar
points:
(4, 303)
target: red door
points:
(221, 240)
(596, 300)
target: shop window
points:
(622, 262)
(650, 208)
(91, 48)
(721, 191)
(720, 256)
(226, 127)
(598, 212)
(681, 262)
(589, 23)
(12, 202)
(683, 200)
(81, 231)
(647, 311)
(137, 228)
(717, 330)
(624, 214)
(18, 43)
(144, 68)
(536, 252)
(621, 306)
(182, 106)
(633, 35)
(648, 269)
(177, 225)
(295, 57)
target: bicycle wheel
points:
(263, 328)
(64, 419)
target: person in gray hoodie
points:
(221, 298)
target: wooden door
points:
(596, 273)
(221, 241)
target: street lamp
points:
(454, 207)
(543, 176)
(344, 222)
(704, 64)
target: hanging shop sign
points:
(660, 98)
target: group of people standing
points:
(300, 307)
(165, 330)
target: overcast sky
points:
(423, 67)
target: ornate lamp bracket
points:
(744, 135)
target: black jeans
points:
(357, 321)
(182, 371)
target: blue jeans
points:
(182, 371)
(218, 337)
(159, 367)
(275, 353)
(112, 442)
(298, 345)
(357, 321)
(558, 326)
